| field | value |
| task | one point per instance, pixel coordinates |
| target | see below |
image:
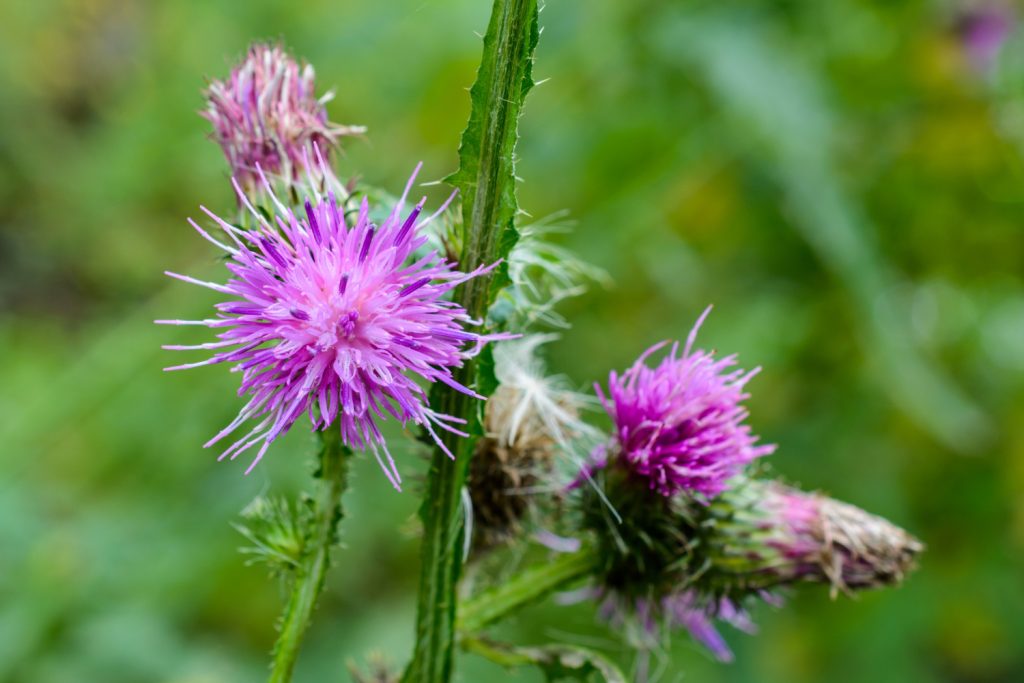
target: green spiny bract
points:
(756, 536)
(278, 530)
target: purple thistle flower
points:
(334, 320)
(679, 426)
(266, 115)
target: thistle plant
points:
(345, 309)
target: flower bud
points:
(266, 116)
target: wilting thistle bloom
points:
(530, 417)
(267, 115)
(335, 319)
(811, 537)
(679, 425)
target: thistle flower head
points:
(530, 417)
(679, 426)
(335, 318)
(825, 540)
(267, 116)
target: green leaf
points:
(486, 177)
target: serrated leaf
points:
(486, 176)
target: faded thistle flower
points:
(266, 115)
(528, 420)
(335, 319)
(771, 534)
(679, 425)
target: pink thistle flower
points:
(679, 426)
(819, 539)
(266, 115)
(335, 320)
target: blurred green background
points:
(841, 179)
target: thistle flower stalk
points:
(486, 178)
(308, 576)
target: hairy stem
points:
(486, 180)
(309, 575)
(525, 588)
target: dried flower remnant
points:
(266, 115)
(528, 420)
(824, 540)
(334, 319)
(679, 426)
(543, 274)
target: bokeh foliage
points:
(834, 176)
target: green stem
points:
(309, 575)
(527, 587)
(499, 655)
(486, 179)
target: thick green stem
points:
(486, 179)
(309, 575)
(527, 587)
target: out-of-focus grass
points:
(834, 177)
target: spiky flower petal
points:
(266, 115)
(336, 320)
(679, 426)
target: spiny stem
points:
(529, 586)
(486, 180)
(309, 575)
